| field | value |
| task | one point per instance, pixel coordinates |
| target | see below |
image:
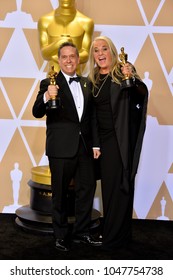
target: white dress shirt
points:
(77, 94)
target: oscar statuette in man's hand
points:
(127, 81)
(52, 76)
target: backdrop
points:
(145, 29)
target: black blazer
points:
(63, 126)
(129, 108)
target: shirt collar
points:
(67, 77)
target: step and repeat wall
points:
(145, 30)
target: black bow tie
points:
(76, 79)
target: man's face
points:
(68, 60)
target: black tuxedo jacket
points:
(63, 126)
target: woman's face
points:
(102, 55)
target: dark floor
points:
(152, 240)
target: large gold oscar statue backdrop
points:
(63, 24)
(146, 32)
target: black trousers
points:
(117, 205)
(63, 170)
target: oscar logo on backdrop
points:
(148, 81)
(16, 177)
(19, 18)
(163, 205)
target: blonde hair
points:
(115, 69)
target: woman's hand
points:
(127, 70)
(96, 153)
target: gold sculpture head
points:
(66, 3)
(52, 76)
(123, 56)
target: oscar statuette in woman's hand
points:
(126, 69)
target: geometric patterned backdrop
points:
(145, 29)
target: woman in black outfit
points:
(121, 116)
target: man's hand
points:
(52, 92)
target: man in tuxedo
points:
(71, 146)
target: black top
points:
(103, 107)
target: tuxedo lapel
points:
(84, 86)
(65, 93)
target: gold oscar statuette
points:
(127, 81)
(52, 76)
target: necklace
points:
(104, 81)
(101, 80)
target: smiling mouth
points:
(69, 65)
(102, 59)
